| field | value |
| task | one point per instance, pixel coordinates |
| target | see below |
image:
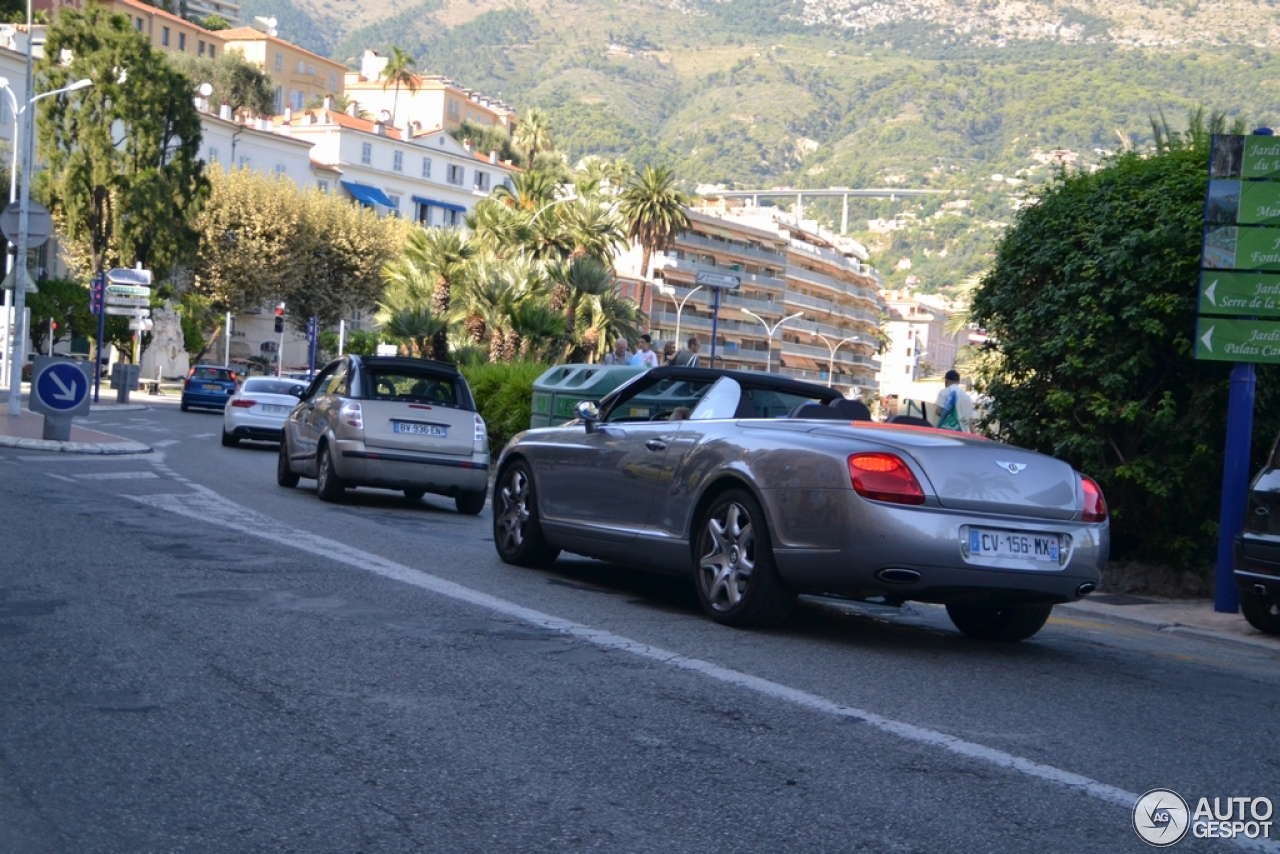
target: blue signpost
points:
(59, 390)
(313, 332)
(97, 294)
(716, 282)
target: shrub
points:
(504, 397)
(1091, 306)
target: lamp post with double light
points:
(831, 363)
(669, 291)
(27, 125)
(768, 364)
(571, 197)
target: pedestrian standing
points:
(954, 406)
(669, 353)
(620, 355)
(688, 357)
(644, 356)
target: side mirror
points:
(589, 413)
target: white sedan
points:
(259, 408)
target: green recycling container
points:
(558, 391)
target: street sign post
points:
(98, 292)
(717, 282)
(59, 390)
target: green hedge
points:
(504, 397)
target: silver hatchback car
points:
(392, 423)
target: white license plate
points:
(213, 387)
(421, 429)
(984, 542)
(274, 408)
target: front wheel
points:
(517, 534)
(328, 485)
(1262, 612)
(469, 503)
(284, 474)
(737, 580)
(1006, 623)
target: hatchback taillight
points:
(884, 477)
(1095, 506)
(245, 402)
(481, 443)
(351, 415)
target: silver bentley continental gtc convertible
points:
(761, 487)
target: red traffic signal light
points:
(54, 325)
(280, 310)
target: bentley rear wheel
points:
(999, 622)
(737, 580)
(517, 534)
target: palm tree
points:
(575, 284)
(534, 328)
(608, 317)
(441, 256)
(399, 71)
(498, 230)
(619, 173)
(653, 210)
(533, 133)
(529, 191)
(414, 328)
(594, 228)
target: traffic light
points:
(280, 317)
(97, 289)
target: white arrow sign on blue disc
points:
(62, 386)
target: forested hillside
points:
(944, 93)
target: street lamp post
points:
(831, 364)
(669, 291)
(572, 197)
(24, 227)
(768, 363)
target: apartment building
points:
(228, 10)
(166, 31)
(238, 142)
(919, 346)
(428, 176)
(297, 74)
(437, 104)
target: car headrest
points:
(809, 409)
(910, 420)
(850, 410)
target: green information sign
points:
(1243, 203)
(1261, 157)
(1223, 340)
(1227, 247)
(1235, 293)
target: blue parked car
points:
(209, 386)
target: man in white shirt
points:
(954, 406)
(645, 357)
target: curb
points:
(108, 448)
(117, 407)
(1172, 626)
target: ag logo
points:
(1161, 817)
(1011, 468)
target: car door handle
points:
(656, 445)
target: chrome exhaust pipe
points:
(1086, 588)
(898, 575)
(1260, 589)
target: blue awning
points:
(449, 206)
(367, 195)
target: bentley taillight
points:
(884, 477)
(1095, 506)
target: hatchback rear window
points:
(413, 388)
(211, 374)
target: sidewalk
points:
(25, 431)
(1179, 616)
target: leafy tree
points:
(235, 80)
(215, 23)
(399, 72)
(123, 172)
(486, 138)
(653, 210)
(248, 232)
(341, 103)
(1091, 305)
(65, 301)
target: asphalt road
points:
(195, 659)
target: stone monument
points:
(166, 357)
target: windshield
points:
(262, 385)
(665, 400)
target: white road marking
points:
(120, 475)
(83, 458)
(204, 435)
(166, 443)
(59, 477)
(209, 507)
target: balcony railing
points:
(823, 355)
(694, 266)
(826, 305)
(820, 377)
(690, 239)
(727, 299)
(795, 271)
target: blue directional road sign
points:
(60, 387)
